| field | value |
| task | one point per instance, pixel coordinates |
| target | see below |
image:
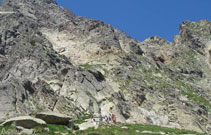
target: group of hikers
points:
(106, 119)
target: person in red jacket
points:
(114, 118)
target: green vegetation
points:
(149, 72)
(200, 29)
(39, 129)
(123, 87)
(32, 42)
(47, 50)
(181, 84)
(37, 105)
(82, 119)
(15, 106)
(191, 94)
(186, 60)
(133, 129)
(58, 128)
(53, 130)
(162, 85)
(195, 97)
(39, 108)
(86, 66)
(7, 130)
(146, 73)
(190, 56)
(106, 72)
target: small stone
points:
(46, 129)
(137, 131)
(162, 133)
(27, 131)
(125, 127)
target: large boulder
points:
(24, 121)
(53, 118)
(88, 124)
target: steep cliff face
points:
(51, 59)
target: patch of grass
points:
(181, 84)
(190, 55)
(123, 87)
(47, 50)
(15, 106)
(39, 129)
(32, 42)
(185, 59)
(157, 129)
(195, 97)
(7, 130)
(149, 72)
(198, 29)
(7, 114)
(37, 105)
(53, 130)
(86, 66)
(58, 128)
(162, 84)
(133, 128)
(191, 94)
(106, 72)
(82, 119)
(39, 108)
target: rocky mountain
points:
(52, 60)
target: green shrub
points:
(195, 97)
(32, 42)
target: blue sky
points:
(142, 18)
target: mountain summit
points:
(46, 12)
(52, 60)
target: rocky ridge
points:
(52, 60)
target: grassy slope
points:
(134, 129)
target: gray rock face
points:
(46, 12)
(52, 60)
(196, 34)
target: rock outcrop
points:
(53, 118)
(52, 60)
(24, 121)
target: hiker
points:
(93, 120)
(101, 120)
(114, 118)
(106, 119)
(109, 118)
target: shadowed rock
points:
(53, 118)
